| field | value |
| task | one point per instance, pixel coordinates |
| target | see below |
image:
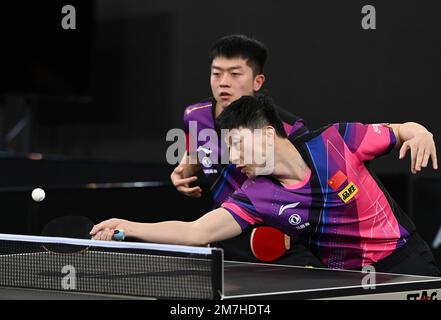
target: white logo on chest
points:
(288, 206)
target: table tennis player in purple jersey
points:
(319, 191)
(236, 70)
(237, 64)
(322, 190)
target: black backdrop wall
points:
(149, 59)
(126, 74)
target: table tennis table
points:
(271, 281)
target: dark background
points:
(137, 64)
(97, 101)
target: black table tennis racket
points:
(77, 227)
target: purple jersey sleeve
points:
(193, 113)
(242, 210)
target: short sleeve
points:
(242, 210)
(186, 131)
(196, 118)
(190, 117)
(368, 141)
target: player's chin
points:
(225, 101)
(222, 104)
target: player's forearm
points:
(409, 130)
(190, 170)
(170, 232)
(189, 165)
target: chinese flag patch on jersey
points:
(337, 180)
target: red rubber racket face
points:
(67, 227)
(267, 243)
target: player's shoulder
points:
(349, 130)
(315, 133)
(198, 107)
(341, 129)
(257, 187)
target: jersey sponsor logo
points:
(295, 219)
(206, 162)
(349, 192)
(210, 171)
(288, 206)
(337, 180)
(377, 128)
(303, 226)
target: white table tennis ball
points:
(38, 194)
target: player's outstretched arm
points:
(416, 138)
(214, 226)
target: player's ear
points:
(258, 82)
(270, 132)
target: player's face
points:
(231, 79)
(252, 151)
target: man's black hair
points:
(251, 113)
(241, 46)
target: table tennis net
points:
(111, 268)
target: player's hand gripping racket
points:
(269, 244)
(77, 227)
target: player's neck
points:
(289, 166)
(218, 109)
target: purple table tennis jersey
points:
(223, 179)
(341, 211)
